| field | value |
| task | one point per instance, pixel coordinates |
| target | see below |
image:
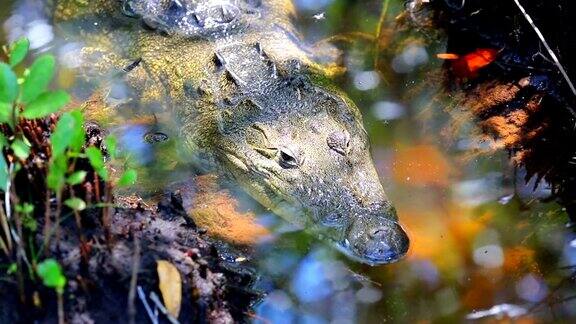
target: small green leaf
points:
(111, 145)
(57, 173)
(78, 133)
(6, 111)
(4, 176)
(29, 223)
(46, 104)
(8, 84)
(75, 203)
(69, 133)
(128, 178)
(41, 73)
(25, 208)
(21, 150)
(18, 51)
(97, 161)
(12, 268)
(76, 178)
(51, 274)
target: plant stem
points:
(57, 220)
(134, 280)
(381, 22)
(60, 308)
(4, 247)
(46, 223)
(6, 228)
(83, 251)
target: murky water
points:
(483, 244)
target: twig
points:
(363, 278)
(348, 37)
(381, 22)
(57, 220)
(550, 51)
(134, 280)
(47, 229)
(142, 297)
(6, 229)
(154, 297)
(7, 196)
(258, 318)
(83, 243)
(17, 233)
(4, 247)
(552, 292)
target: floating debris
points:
(499, 311)
(320, 16)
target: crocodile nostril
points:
(339, 141)
(378, 234)
(333, 219)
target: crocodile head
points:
(307, 157)
(291, 140)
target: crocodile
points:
(251, 102)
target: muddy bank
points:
(109, 252)
(214, 287)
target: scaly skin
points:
(250, 104)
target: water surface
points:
(483, 242)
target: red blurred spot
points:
(468, 65)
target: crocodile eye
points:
(155, 13)
(127, 10)
(339, 142)
(288, 159)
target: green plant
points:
(53, 277)
(44, 166)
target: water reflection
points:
(320, 289)
(483, 246)
(409, 59)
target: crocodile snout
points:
(376, 240)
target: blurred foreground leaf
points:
(21, 150)
(18, 51)
(46, 104)
(76, 178)
(75, 203)
(127, 178)
(41, 73)
(52, 276)
(97, 161)
(8, 84)
(69, 133)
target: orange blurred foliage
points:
(421, 165)
(217, 211)
(442, 235)
(479, 293)
(519, 259)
